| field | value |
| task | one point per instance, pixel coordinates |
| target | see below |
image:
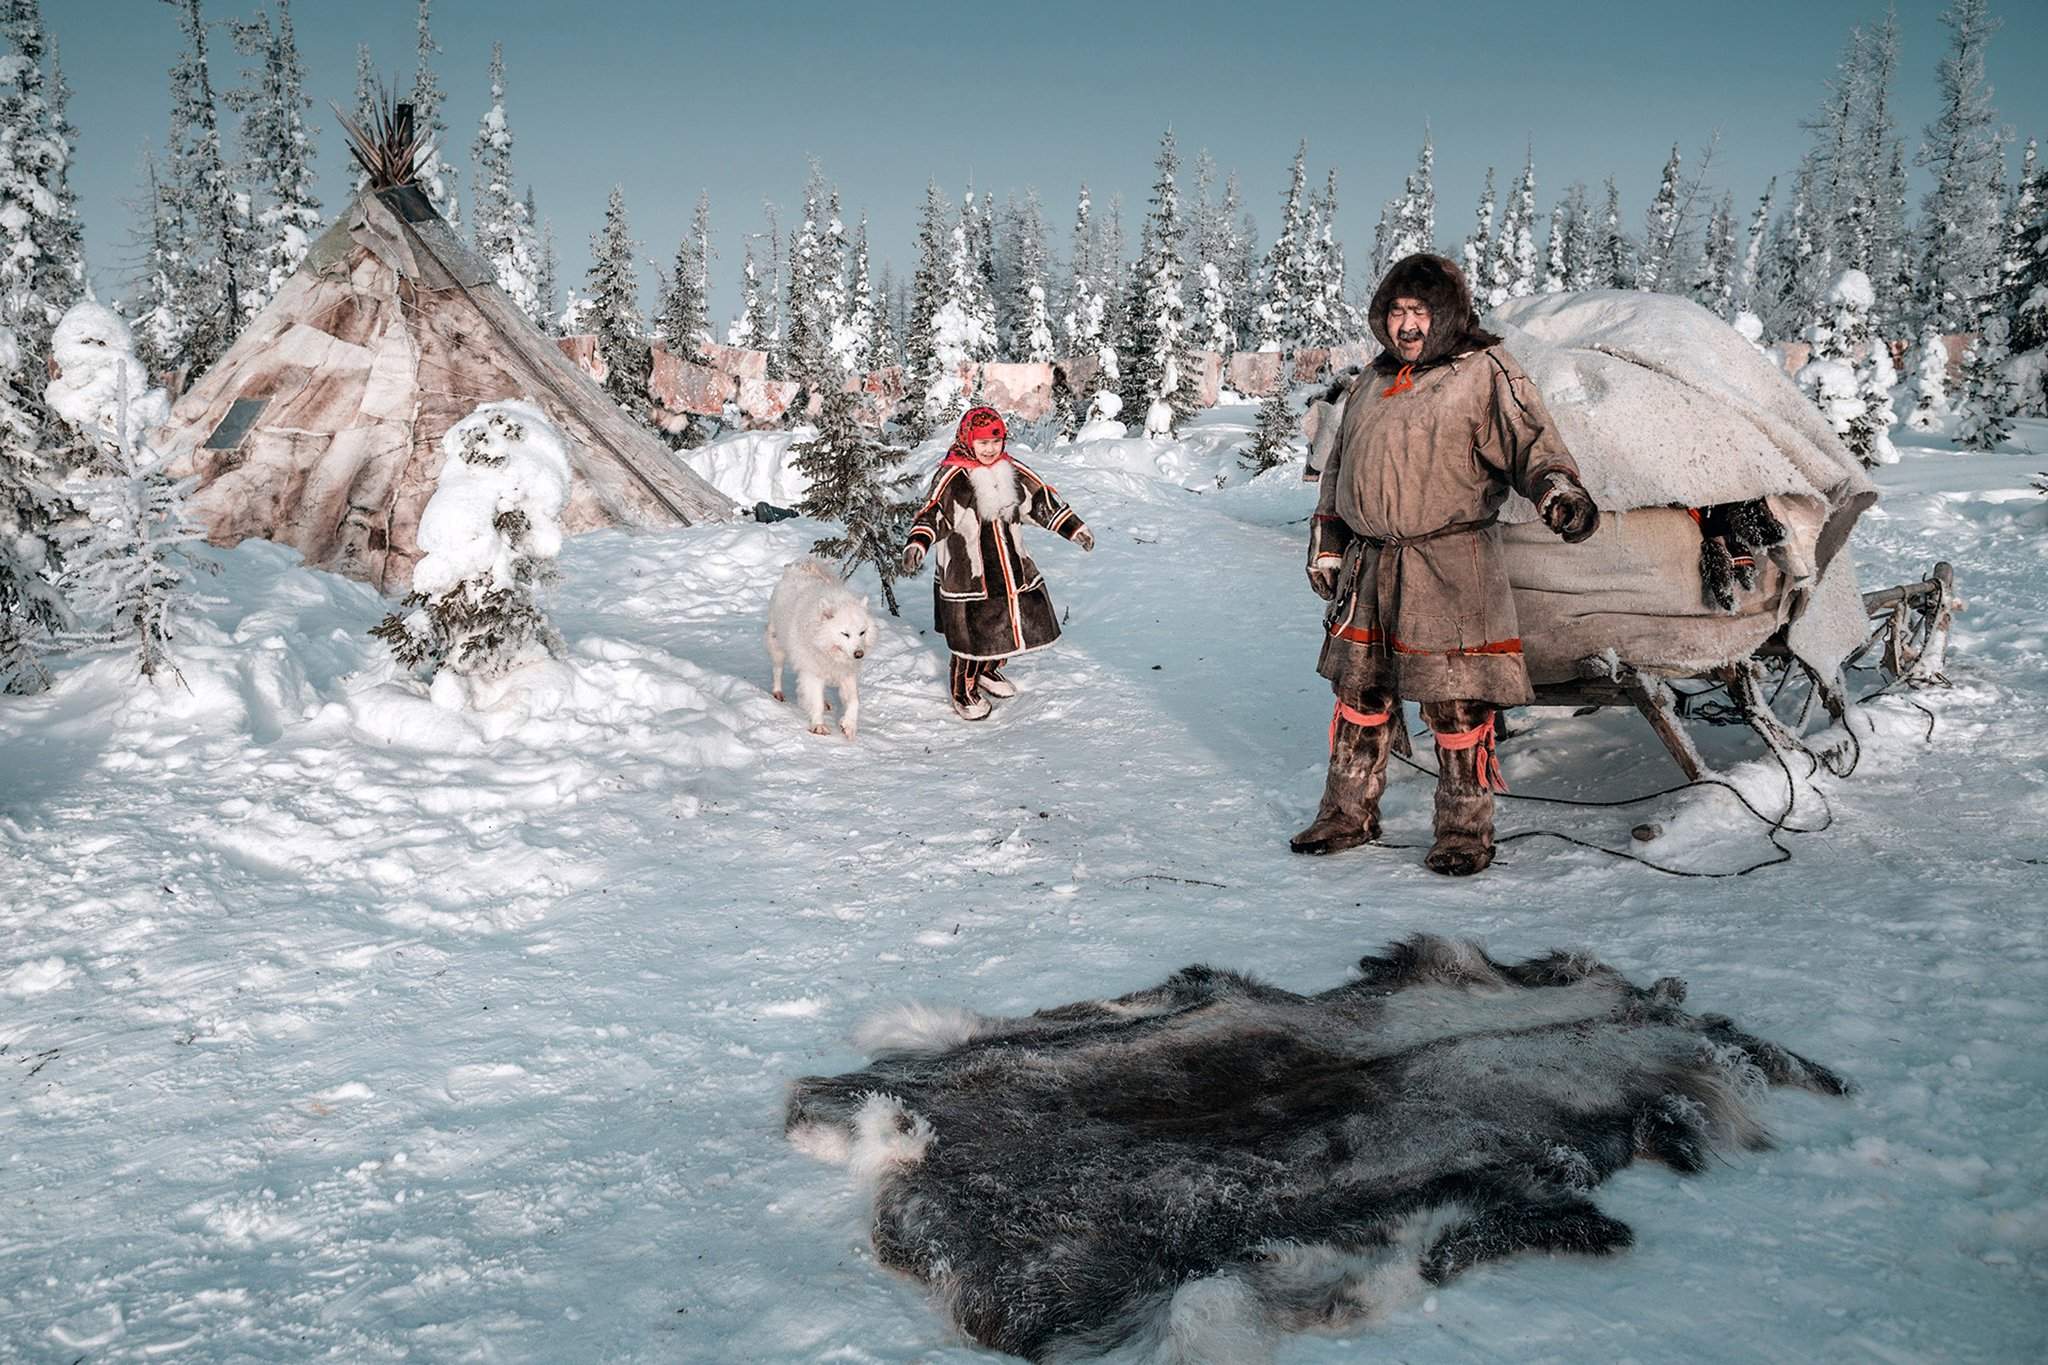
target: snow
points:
(101, 387)
(505, 457)
(378, 1029)
(753, 466)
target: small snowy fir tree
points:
(1928, 386)
(1613, 254)
(1274, 436)
(1961, 213)
(1082, 321)
(1031, 311)
(1556, 257)
(547, 280)
(845, 334)
(2025, 267)
(66, 245)
(1157, 362)
(1476, 254)
(38, 278)
(1660, 231)
(1241, 269)
(1750, 275)
(858, 484)
(1511, 273)
(884, 352)
(960, 328)
(206, 214)
(813, 294)
(859, 343)
(1989, 400)
(1713, 285)
(436, 175)
(129, 563)
(32, 610)
(277, 152)
(1850, 374)
(504, 231)
(1581, 269)
(613, 310)
(490, 534)
(683, 321)
(1411, 219)
(1283, 317)
(745, 330)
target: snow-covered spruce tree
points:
(1241, 270)
(1989, 399)
(504, 232)
(1849, 376)
(1476, 255)
(366, 102)
(928, 293)
(1332, 310)
(683, 321)
(960, 329)
(1580, 268)
(1556, 265)
(1082, 320)
(1157, 362)
(129, 561)
(978, 227)
(857, 483)
(1961, 214)
(1511, 269)
(547, 279)
(1832, 167)
(32, 611)
(2024, 287)
(1614, 260)
(1275, 433)
(205, 212)
(1661, 227)
(1032, 339)
(1749, 277)
(490, 534)
(437, 175)
(884, 350)
(1411, 219)
(1792, 289)
(745, 329)
(1883, 191)
(276, 152)
(39, 266)
(1713, 285)
(1283, 316)
(806, 353)
(1927, 387)
(845, 336)
(613, 310)
(66, 245)
(859, 346)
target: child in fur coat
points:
(988, 597)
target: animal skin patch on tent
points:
(242, 415)
(1215, 1162)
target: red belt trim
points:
(1356, 717)
(1481, 735)
(1374, 637)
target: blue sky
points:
(668, 99)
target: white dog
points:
(819, 624)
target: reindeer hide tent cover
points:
(1188, 1172)
(321, 427)
(1666, 407)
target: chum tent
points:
(321, 427)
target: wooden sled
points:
(1909, 635)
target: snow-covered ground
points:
(336, 1025)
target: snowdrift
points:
(1668, 408)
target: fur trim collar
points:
(1454, 328)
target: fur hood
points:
(1453, 324)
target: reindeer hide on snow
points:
(1189, 1172)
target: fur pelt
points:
(1438, 283)
(1189, 1172)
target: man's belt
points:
(1387, 581)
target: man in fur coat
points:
(1405, 549)
(989, 599)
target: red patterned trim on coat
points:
(1373, 637)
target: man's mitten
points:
(1717, 573)
(1567, 509)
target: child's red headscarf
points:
(979, 424)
